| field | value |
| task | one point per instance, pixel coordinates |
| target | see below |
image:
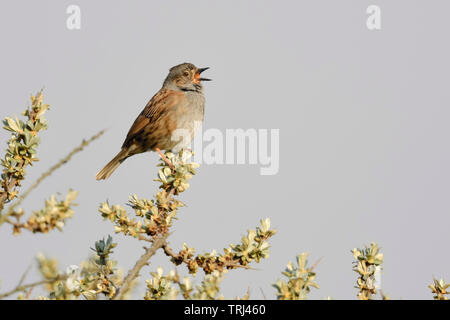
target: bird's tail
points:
(112, 165)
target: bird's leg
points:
(171, 166)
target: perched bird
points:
(174, 108)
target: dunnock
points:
(177, 105)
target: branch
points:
(84, 143)
(22, 146)
(143, 260)
(60, 163)
(31, 285)
(206, 264)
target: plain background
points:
(363, 118)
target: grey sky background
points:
(363, 118)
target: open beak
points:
(199, 71)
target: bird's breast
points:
(192, 111)
(188, 119)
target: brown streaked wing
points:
(160, 102)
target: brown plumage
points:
(177, 105)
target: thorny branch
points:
(143, 260)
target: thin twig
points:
(27, 296)
(30, 285)
(248, 293)
(134, 272)
(22, 278)
(265, 298)
(315, 264)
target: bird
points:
(176, 107)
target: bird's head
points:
(185, 77)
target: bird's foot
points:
(167, 161)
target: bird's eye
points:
(185, 73)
